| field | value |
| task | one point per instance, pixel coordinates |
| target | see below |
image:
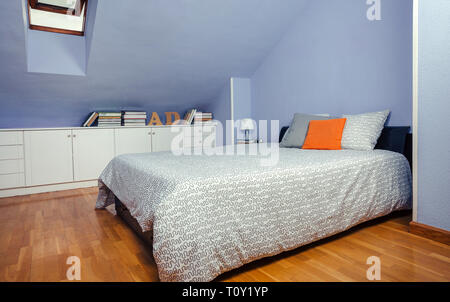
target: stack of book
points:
(134, 118)
(91, 119)
(189, 116)
(109, 119)
(202, 117)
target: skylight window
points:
(59, 16)
(71, 4)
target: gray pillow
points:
(361, 132)
(296, 134)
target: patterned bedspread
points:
(211, 214)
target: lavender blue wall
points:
(242, 98)
(433, 112)
(224, 111)
(89, 28)
(154, 55)
(242, 102)
(55, 53)
(220, 106)
(334, 60)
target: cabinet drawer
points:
(11, 138)
(12, 180)
(11, 152)
(11, 166)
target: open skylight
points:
(60, 3)
(60, 16)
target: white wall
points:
(433, 200)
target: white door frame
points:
(415, 103)
(232, 110)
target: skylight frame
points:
(60, 3)
(34, 4)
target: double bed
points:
(205, 215)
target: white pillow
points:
(361, 132)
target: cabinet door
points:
(162, 138)
(133, 140)
(209, 136)
(200, 136)
(48, 157)
(93, 149)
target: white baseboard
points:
(48, 188)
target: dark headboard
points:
(396, 139)
(282, 133)
(407, 152)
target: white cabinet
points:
(92, 151)
(43, 159)
(11, 152)
(200, 136)
(208, 134)
(162, 138)
(58, 156)
(11, 159)
(183, 137)
(12, 180)
(48, 157)
(133, 140)
(11, 138)
(11, 166)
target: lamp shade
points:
(246, 124)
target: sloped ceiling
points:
(149, 54)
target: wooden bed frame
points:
(122, 212)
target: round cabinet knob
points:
(68, 135)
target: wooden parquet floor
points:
(39, 232)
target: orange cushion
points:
(325, 134)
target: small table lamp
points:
(246, 125)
